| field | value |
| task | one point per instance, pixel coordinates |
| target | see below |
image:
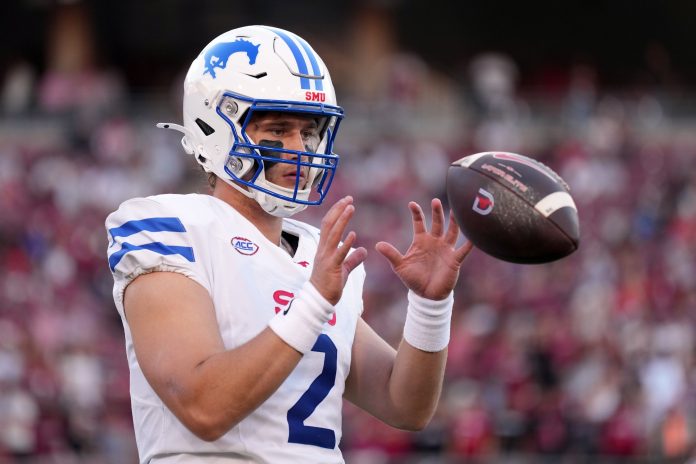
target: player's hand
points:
(430, 267)
(332, 263)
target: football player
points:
(243, 327)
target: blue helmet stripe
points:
(156, 224)
(312, 59)
(301, 64)
(156, 247)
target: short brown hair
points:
(212, 179)
(210, 176)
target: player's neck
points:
(270, 226)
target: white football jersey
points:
(249, 280)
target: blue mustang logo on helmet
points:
(217, 55)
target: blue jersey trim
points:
(156, 224)
(156, 247)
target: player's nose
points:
(294, 141)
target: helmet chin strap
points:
(277, 207)
(238, 187)
(273, 206)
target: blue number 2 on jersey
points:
(315, 394)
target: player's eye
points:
(310, 133)
(276, 131)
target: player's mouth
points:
(290, 177)
(292, 173)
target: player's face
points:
(289, 131)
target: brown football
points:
(513, 207)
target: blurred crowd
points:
(586, 357)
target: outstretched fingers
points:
(344, 248)
(390, 252)
(334, 222)
(333, 228)
(334, 261)
(418, 218)
(335, 211)
(438, 218)
(339, 227)
(438, 215)
(354, 259)
(452, 230)
(461, 253)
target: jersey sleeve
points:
(144, 236)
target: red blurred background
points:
(589, 359)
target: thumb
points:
(388, 251)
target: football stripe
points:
(553, 202)
(468, 160)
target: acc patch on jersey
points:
(244, 246)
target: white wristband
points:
(300, 324)
(428, 322)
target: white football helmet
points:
(252, 69)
